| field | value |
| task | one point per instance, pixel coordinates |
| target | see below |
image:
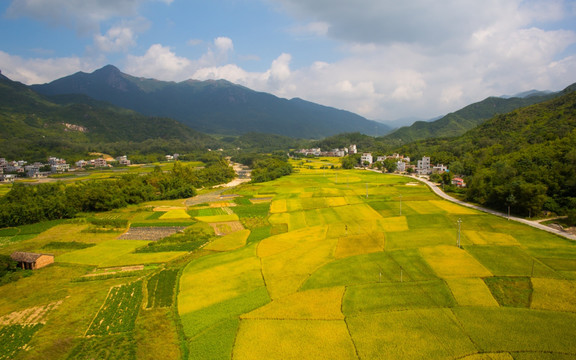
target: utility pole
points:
(459, 229)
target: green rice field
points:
(331, 264)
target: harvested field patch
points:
(30, 316)
(224, 228)
(471, 292)
(319, 304)
(230, 241)
(410, 334)
(169, 208)
(293, 339)
(554, 294)
(452, 262)
(150, 233)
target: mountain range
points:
(33, 126)
(213, 106)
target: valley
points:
(344, 264)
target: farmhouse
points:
(32, 261)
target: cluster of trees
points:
(9, 270)
(525, 160)
(266, 167)
(27, 204)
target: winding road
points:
(534, 224)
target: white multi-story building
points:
(423, 167)
(401, 166)
(352, 149)
(366, 157)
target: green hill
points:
(526, 158)
(457, 123)
(33, 127)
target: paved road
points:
(535, 224)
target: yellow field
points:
(285, 271)
(283, 242)
(278, 206)
(218, 277)
(116, 253)
(175, 214)
(554, 294)
(393, 224)
(491, 356)
(293, 339)
(336, 201)
(218, 218)
(452, 262)
(228, 242)
(423, 207)
(359, 244)
(471, 292)
(453, 208)
(489, 238)
(318, 304)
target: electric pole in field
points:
(459, 230)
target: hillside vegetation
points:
(33, 127)
(525, 159)
(458, 122)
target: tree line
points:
(27, 204)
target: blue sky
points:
(383, 59)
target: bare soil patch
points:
(223, 228)
(150, 233)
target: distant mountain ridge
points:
(459, 122)
(33, 126)
(213, 106)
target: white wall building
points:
(366, 157)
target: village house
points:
(459, 182)
(100, 162)
(123, 160)
(423, 166)
(366, 157)
(352, 149)
(32, 261)
(439, 169)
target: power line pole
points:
(459, 230)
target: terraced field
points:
(329, 264)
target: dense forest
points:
(525, 159)
(27, 204)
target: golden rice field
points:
(321, 264)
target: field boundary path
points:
(243, 176)
(532, 223)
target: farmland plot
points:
(118, 314)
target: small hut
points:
(32, 261)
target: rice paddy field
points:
(321, 264)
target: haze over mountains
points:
(217, 107)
